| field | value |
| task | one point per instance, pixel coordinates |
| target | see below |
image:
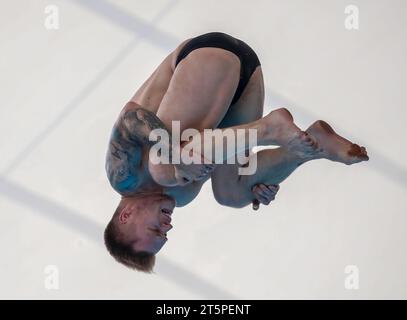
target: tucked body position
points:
(212, 81)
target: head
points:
(138, 229)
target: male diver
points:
(212, 81)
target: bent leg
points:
(275, 165)
(201, 89)
(200, 93)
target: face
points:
(145, 221)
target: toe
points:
(364, 157)
(357, 152)
(354, 150)
(303, 135)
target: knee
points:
(221, 197)
(227, 195)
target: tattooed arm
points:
(124, 158)
(128, 141)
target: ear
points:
(124, 215)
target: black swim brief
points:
(248, 58)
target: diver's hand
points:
(187, 173)
(198, 170)
(264, 194)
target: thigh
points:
(248, 108)
(250, 105)
(201, 89)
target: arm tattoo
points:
(122, 163)
(129, 136)
(137, 125)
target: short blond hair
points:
(124, 253)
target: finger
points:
(257, 190)
(184, 176)
(274, 188)
(255, 204)
(183, 181)
(266, 191)
(262, 191)
(261, 199)
(209, 170)
(265, 200)
(203, 172)
(202, 176)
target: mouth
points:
(166, 220)
(167, 216)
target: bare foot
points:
(282, 131)
(335, 147)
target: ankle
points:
(262, 132)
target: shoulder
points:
(123, 162)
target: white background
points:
(61, 90)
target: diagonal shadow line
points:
(93, 231)
(383, 165)
(68, 109)
(144, 31)
(129, 22)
